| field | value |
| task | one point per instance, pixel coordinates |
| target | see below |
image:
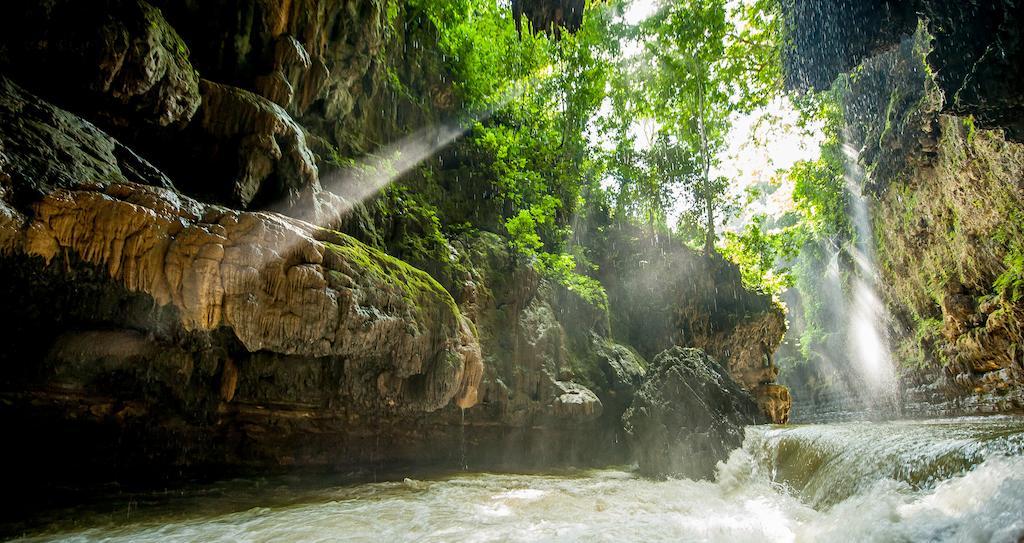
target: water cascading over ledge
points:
(944, 207)
(869, 320)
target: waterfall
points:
(867, 340)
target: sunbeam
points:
(371, 174)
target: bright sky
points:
(640, 10)
(758, 151)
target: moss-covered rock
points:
(118, 62)
(947, 212)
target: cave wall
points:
(978, 54)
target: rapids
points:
(942, 480)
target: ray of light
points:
(374, 172)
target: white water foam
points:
(749, 502)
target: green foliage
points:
(1010, 284)
(523, 232)
(703, 62)
(763, 256)
(554, 128)
(562, 268)
(819, 187)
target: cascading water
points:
(855, 375)
(867, 338)
(945, 480)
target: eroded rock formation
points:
(117, 61)
(551, 16)
(265, 153)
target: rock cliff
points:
(174, 312)
(976, 58)
(945, 198)
(688, 416)
(663, 295)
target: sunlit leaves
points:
(703, 62)
(763, 254)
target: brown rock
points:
(775, 402)
(279, 284)
(273, 162)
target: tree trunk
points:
(709, 242)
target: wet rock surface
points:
(265, 156)
(663, 295)
(117, 62)
(687, 416)
(977, 53)
(44, 148)
(945, 200)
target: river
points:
(940, 480)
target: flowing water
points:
(867, 333)
(943, 480)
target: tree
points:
(712, 62)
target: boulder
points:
(662, 293)
(43, 148)
(687, 416)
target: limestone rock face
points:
(688, 415)
(529, 379)
(774, 401)
(946, 201)
(116, 61)
(280, 285)
(325, 63)
(966, 342)
(268, 148)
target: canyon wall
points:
(189, 290)
(944, 173)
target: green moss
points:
(1010, 284)
(418, 287)
(972, 130)
(890, 112)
